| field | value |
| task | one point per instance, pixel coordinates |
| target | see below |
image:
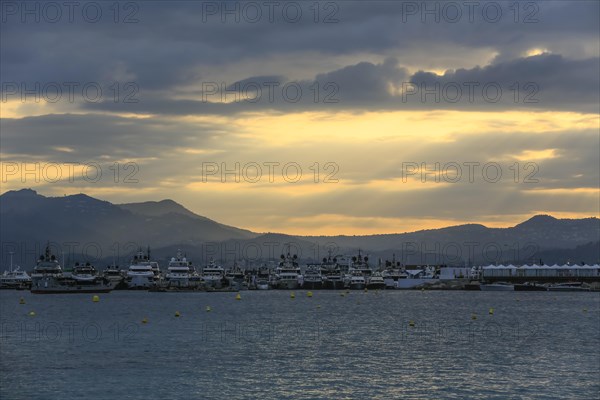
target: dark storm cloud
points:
(173, 45)
(543, 82)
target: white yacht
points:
(236, 278)
(46, 272)
(180, 272)
(313, 279)
(393, 273)
(142, 273)
(14, 278)
(376, 281)
(262, 278)
(356, 280)
(332, 273)
(213, 275)
(287, 274)
(114, 274)
(359, 268)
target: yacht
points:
(213, 275)
(14, 278)
(393, 273)
(359, 268)
(262, 278)
(356, 280)
(376, 281)
(114, 274)
(497, 287)
(530, 287)
(236, 278)
(313, 279)
(287, 274)
(142, 273)
(332, 273)
(568, 287)
(180, 272)
(46, 272)
(48, 277)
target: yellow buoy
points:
(585, 310)
(96, 298)
(238, 296)
(177, 314)
(21, 301)
(491, 312)
(208, 309)
(31, 314)
(473, 316)
(411, 323)
(292, 295)
(342, 294)
(145, 321)
(318, 306)
(366, 290)
(422, 289)
(309, 294)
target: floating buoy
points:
(145, 321)
(238, 296)
(318, 306)
(31, 314)
(309, 294)
(96, 298)
(473, 316)
(208, 309)
(21, 301)
(411, 323)
(342, 294)
(177, 314)
(422, 289)
(292, 295)
(366, 290)
(585, 310)
(491, 312)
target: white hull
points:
(140, 282)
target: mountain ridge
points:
(31, 219)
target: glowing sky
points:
(369, 117)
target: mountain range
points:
(83, 228)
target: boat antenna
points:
(11, 254)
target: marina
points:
(353, 273)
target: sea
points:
(272, 345)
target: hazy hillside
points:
(81, 226)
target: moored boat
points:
(497, 287)
(313, 279)
(287, 274)
(142, 273)
(568, 287)
(530, 287)
(14, 278)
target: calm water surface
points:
(269, 346)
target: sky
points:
(312, 118)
